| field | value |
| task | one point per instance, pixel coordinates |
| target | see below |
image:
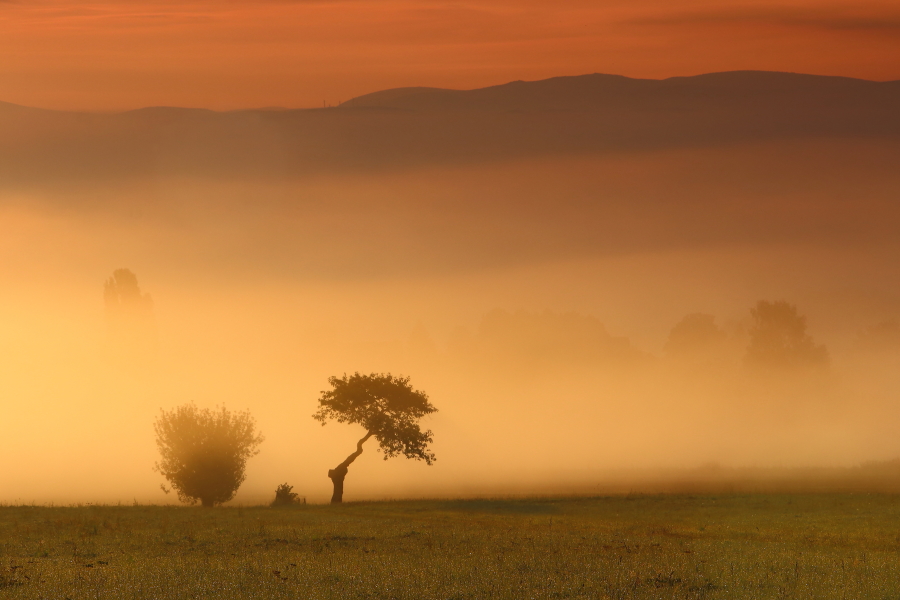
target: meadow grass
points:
(661, 546)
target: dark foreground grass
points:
(753, 546)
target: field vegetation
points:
(639, 546)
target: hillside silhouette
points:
(410, 127)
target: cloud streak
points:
(830, 21)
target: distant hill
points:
(598, 92)
(419, 126)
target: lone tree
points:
(204, 451)
(778, 338)
(387, 407)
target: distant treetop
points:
(778, 338)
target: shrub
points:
(284, 496)
(204, 452)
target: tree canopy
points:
(204, 452)
(778, 338)
(387, 407)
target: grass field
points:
(729, 546)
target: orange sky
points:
(297, 53)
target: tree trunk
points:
(338, 473)
(206, 502)
(337, 478)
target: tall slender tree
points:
(129, 316)
(387, 407)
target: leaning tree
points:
(203, 452)
(387, 407)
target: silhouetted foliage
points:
(129, 312)
(695, 332)
(285, 496)
(778, 338)
(204, 452)
(387, 407)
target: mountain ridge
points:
(384, 98)
(410, 127)
(583, 92)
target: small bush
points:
(284, 496)
(204, 452)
